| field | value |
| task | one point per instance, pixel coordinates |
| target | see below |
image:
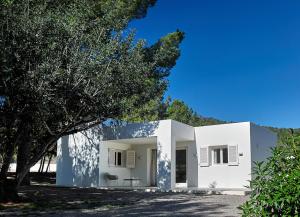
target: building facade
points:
(164, 154)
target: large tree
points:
(66, 65)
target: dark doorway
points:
(181, 166)
(153, 167)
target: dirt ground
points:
(45, 200)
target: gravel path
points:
(172, 205)
(75, 202)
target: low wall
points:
(35, 168)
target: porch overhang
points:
(179, 131)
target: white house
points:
(166, 154)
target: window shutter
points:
(233, 155)
(123, 158)
(130, 159)
(204, 157)
(111, 157)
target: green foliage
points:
(123, 10)
(6, 2)
(154, 110)
(166, 53)
(179, 111)
(284, 134)
(276, 183)
(160, 109)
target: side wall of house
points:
(224, 176)
(262, 140)
(78, 160)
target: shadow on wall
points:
(163, 171)
(65, 160)
(79, 164)
(128, 130)
(86, 158)
(78, 160)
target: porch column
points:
(166, 154)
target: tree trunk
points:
(8, 155)
(40, 167)
(7, 186)
(23, 156)
(8, 190)
(22, 160)
(43, 164)
(49, 161)
(34, 159)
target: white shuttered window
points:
(204, 157)
(111, 157)
(233, 158)
(116, 158)
(220, 155)
(130, 159)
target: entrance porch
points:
(150, 168)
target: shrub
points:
(276, 183)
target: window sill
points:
(116, 166)
(220, 164)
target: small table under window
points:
(131, 180)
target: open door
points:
(181, 167)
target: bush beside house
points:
(276, 187)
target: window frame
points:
(116, 159)
(221, 148)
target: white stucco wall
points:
(225, 176)
(262, 140)
(192, 165)
(169, 134)
(78, 160)
(143, 161)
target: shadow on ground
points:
(59, 201)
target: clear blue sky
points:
(240, 59)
